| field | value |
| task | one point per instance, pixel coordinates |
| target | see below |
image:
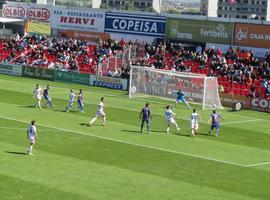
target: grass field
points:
(41, 28)
(73, 161)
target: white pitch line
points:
(131, 143)
(14, 128)
(243, 121)
(257, 164)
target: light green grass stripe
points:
(97, 181)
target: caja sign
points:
(147, 25)
(252, 35)
(34, 12)
(262, 105)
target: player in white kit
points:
(169, 118)
(71, 99)
(31, 136)
(100, 112)
(37, 93)
(194, 122)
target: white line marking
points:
(257, 164)
(243, 121)
(130, 143)
(14, 128)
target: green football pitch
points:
(74, 161)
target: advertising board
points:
(40, 73)
(11, 69)
(136, 24)
(252, 35)
(73, 77)
(84, 35)
(228, 100)
(262, 105)
(69, 18)
(109, 82)
(27, 11)
(199, 30)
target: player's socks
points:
(93, 120)
(168, 129)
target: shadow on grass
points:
(16, 153)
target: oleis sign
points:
(78, 19)
(24, 11)
(137, 24)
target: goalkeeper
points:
(181, 99)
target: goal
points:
(198, 88)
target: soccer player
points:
(169, 117)
(100, 112)
(214, 120)
(72, 96)
(80, 101)
(37, 93)
(194, 122)
(32, 136)
(145, 116)
(47, 96)
(181, 98)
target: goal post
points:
(200, 89)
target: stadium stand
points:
(238, 71)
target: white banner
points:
(109, 82)
(27, 11)
(11, 69)
(78, 19)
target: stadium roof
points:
(9, 20)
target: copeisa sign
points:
(262, 105)
(147, 25)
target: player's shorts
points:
(47, 98)
(216, 126)
(181, 100)
(194, 125)
(100, 113)
(171, 120)
(147, 120)
(32, 139)
(38, 97)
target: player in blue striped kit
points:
(215, 122)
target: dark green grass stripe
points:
(231, 135)
(13, 188)
(245, 181)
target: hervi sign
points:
(199, 30)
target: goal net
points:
(147, 82)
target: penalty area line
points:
(131, 143)
(257, 164)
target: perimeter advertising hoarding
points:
(252, 35)
(27, 11)
(84, 35)
(65, 18)
(11, 69)
(35, 72)
(136, 24)
(73, 77)
(228, 100)
(199, 31)
(109, 82)
(262, 105)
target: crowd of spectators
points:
(233, 67)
